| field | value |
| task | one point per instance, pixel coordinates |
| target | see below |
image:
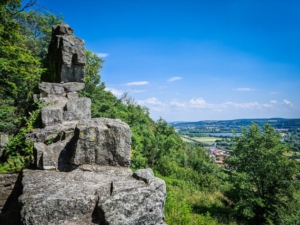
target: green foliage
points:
(190, 168)
(36, 26)
(20, 70)
(19, 151)
(261, 177)
(23, 37)
(293, 140)
(179, 209)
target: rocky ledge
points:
(92, 194)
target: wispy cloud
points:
(174, 79)
(178, 104)
(153, 101)
(246, 105)
(138, 91)
(199, 103)
(137, 83)
(201, 106)
(102, 55)
(244, 89)
(115, 91)
(287, 102)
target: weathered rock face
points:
(65, 55)
(77, 109)
(10, 190)
(102, 141)
(63, 103)
(7, 183)
(91, 195)
(82, 173)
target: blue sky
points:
(191, 60)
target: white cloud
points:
(154, 104)
(114, 91)
(137, 83)
(178, 104)
(102, 55)
(287, 102)
(174, 78)
(247, 105)
(199, 103)
(244, 89)
(199, 106)
(153, 101)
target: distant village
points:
(217, 155)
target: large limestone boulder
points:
(100, 141)
(92, 195)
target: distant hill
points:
(227, 125)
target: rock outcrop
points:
(91, 194)
(65, 56)
(82, 173)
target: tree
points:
(19, 70)
(36, 26)
(261, 176)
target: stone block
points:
(51, 115)
(73, 86)
(78, 109)
(59, 132)
(102, 141)
(51, 88)
(53, 156)
(71, 95)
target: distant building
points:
(217, 155)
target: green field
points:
(186, 140)
(206, 140)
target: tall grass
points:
(186, 206)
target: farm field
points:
(206, 140)
(186, 140)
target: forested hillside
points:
(256, 186)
